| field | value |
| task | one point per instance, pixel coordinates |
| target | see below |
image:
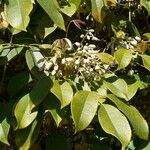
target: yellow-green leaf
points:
(98, 10)
(23, 112)
(123, 57)
(63, 92)
(51, 8)
(17, 13)
(146, 61)
(115, 123)
(137, 121)
(83, 108)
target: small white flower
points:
(95, 38)
(127, 46)
(56, 67)
(77, 62)
(82, 36)
(106, 66)
(91, 70)
(131, 47)
(137, 38)
(97, 67)
(77, 44)
(91, 30)
(86, 61)
(48, 65)
(63, 61)
(53, 72)
(69, 59)
(85, 47)
(69, 44)
(92, 46)
(88, 37)
(53, 59)
(134, 42)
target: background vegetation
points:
(74, 74)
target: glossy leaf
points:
(146, 4)
(25, 138)
(16, 14)
(13, 53)
(52, 104)
(106, 58)
(132, 89)
(40, 91)
(23, 112)
(52, 10)
(123, 57)
(97, 10)
(115, 123)
(137, 121)
(4, 130)
(119, 88)
(83, 108)
(63, 92)
(69, 9)
(146, 61)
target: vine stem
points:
(130, 18)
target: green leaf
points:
(23, 112)
(83, 108)
(52, 104)
(69, 9)
(115, 123)
(25, 138)
(17, 82)
(4, 130)
(147, 35)
(51, 8)
(137, 121)
(132, 89)
(17, 13)
(97, 10)
(106, 58)
(123, 56)
(146, 61)
(63, 92)
(119, 88)
(13, 53)
(39, 91)
(146, 4)
(75, 2)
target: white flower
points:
(48, 65)
(134, 42)
(85, 47)
(56, 67)
(127, 46)
(137, 38)
(53, 72)
(91, 70)
(91, 30)
(88, 37)
(131, 47)
(63, 61)
(82, 36)
(77, 44)
(92, 46)
(97, 67)
(77, 62)
(106, 66)
(95, 38)
(69, 59)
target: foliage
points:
(73, 67)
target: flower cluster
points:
(79, 59)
